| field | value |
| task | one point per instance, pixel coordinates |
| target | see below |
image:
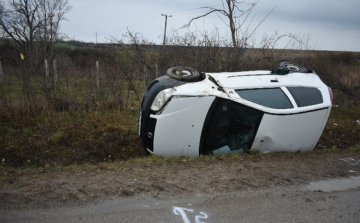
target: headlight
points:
(161, 98)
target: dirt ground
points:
(159, 178)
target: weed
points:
(334, 148)
(57, 136)
(254, 152)
(355, 147)
(28, 131)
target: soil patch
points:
(160, 177)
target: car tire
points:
(293, 67)
(186, 74)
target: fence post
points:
(156, 70)
(145, 77)
(1, 72)
(56, 82)
(97, 74)
(46, 76)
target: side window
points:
(232, 128)
(269, 97)
(306, 96)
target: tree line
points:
(33, 24)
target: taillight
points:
(331, 95)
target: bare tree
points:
(1, 17)
(30, 21)
(1, 9)
(236, 16)
(52, 12)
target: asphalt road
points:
(331, 201)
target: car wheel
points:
(184, 74)
(293, 67)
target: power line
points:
(155, 18)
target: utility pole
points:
(96, 38)
(165, 26)
(1, 72)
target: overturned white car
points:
(188, 113)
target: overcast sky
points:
(332, 24)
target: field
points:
(90, 114)
(74, 141)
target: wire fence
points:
(116, 78)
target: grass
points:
(341, 130)
(146, 166)
(63, 138)
(56, 137)
(152, 160)
(92, 126)
(65, 45)
(81, 89)
(11, 86)
(355, 147)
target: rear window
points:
(270, 97)
(306, 96)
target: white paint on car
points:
(290, 133)
(179, 127)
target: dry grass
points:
(64, 138)
(86, 124)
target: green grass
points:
(11, 87)
(56, 137)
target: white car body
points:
(180, 125)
